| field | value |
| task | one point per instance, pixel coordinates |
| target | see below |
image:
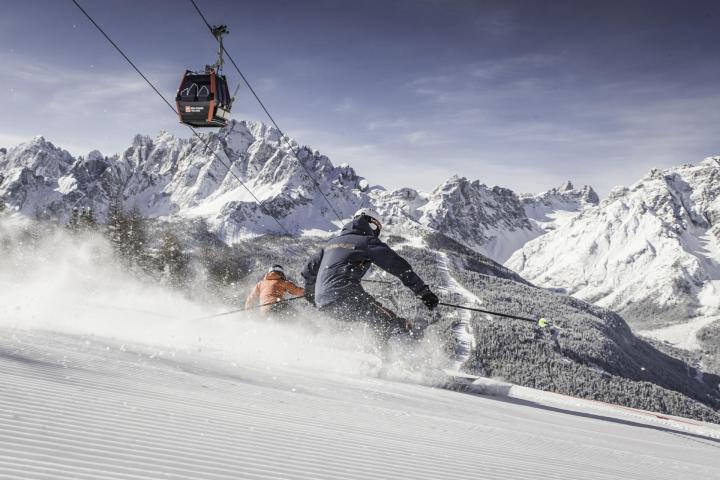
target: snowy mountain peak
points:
(94, 155)
(646, 249)
(169, 176)
(566, 187)
(549, 210)
(711, 162)
(488, 220)
(190, 177)
(39, 157)
(565, 193)
(589, 195)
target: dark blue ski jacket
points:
(335, 271)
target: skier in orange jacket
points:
(271, 290)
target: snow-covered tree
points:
(73, 223)
(126, 231)
(87, 219)
(172, 261)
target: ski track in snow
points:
(85, 408)
(452, 285)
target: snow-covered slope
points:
(90, 408)
(493, 221)
(45, 271)
(167, 176)
(651, 251)
(683, 335)
(488, 220)
(104, 375)
(554, 208)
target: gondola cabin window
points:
(195, 87)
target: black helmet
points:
(372, 217)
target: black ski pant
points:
(282, 311)
(363, 307)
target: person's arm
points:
(253, 297)
(294, 289)
(310, 273)
(389, 260)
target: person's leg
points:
(282, 311)
(363, 307)
(383, 321)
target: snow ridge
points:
(173, 177)
(650, 252)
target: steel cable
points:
(195, 132)
(267, 112)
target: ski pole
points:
(542, 322)
(249, 308)
(378, 281)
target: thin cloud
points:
(348, 105)
(388, 124)
(426, 138)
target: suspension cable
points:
(195, 132)
(267, 112)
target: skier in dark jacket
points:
(333, 275)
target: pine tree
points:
(87, 219)
(135, 236)
(172, 261)
(73, 223)
(2, 205)
(126, 232)
(116, 224)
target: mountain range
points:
(650, 251)
(447, 234)
(167, 176)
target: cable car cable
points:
(206, 144)
(124, 56)
(262, 105)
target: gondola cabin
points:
(203, 99)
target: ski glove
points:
(405, 325)
(310, 297)
(429, 298)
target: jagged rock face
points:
(651, 251)
(459, 202)
(166, 176)
(566, 193)
(170, 176)
(30, 174)
(488, 220)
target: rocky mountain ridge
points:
(650, 251)
(167, 176)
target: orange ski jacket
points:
(272, 289)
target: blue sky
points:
(522, 94)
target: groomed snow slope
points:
(105, 376)
(82, 407)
